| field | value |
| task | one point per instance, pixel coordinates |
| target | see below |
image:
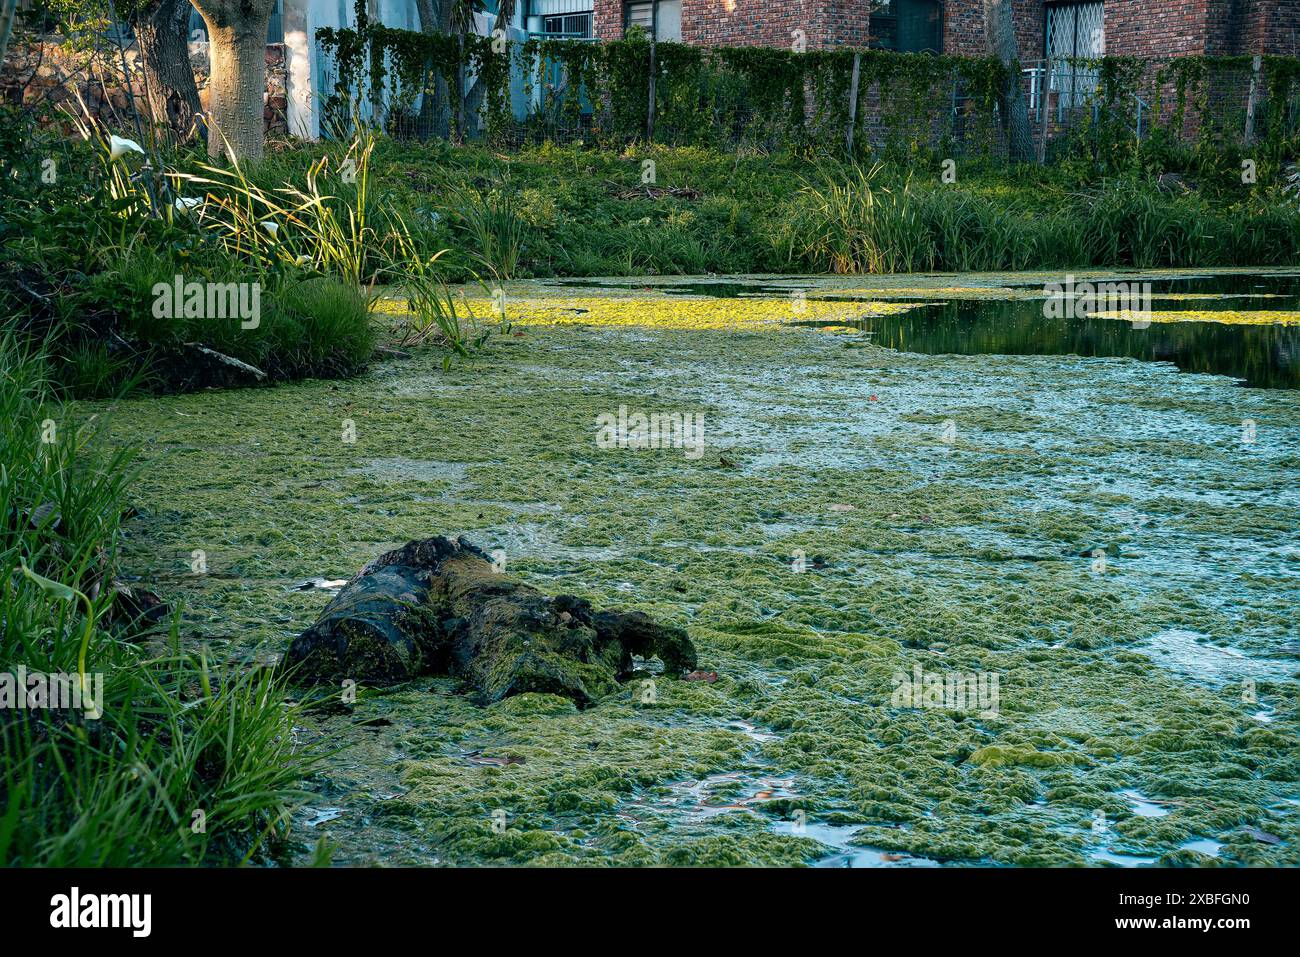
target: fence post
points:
(1252, 100)
(650, 106)
(1044, 114)
(853, 102)
(954, 126)
(460, 90)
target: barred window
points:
(1075, 31)
(569, 26)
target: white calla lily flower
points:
(271, 228)
(185, 203)
(119, 146)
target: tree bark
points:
(999, 28)
(505, 13)
(163, 34)
(459, 137)
(8, 14)
(435, 91)
(440, 606)
(237, 85)
(461, 22)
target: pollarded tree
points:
(237, 47)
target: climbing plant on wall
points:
(908, 105)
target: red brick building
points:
(1150, 28)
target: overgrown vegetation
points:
(852, 220)
(181, 275)
(321, 228)
(571, 211)
(190, 759)
(900, 106)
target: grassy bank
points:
(173, 756)
(125, 279)
(576, 212)
(316, 226)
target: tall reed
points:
(190, 760)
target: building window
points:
(558, 19)
(569, 26)
(908, 26)
(1074, 31)
(660, 18)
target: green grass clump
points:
(854, 220)
(87, 259)
(570, 211)
(190, 760)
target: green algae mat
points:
(962, 609)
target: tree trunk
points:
(8, 14)
(459, 137)
(169, 79)
(441, 606)
(435, 89)
(237, 85)
(460, 21)
(505, 13)
(999, 27)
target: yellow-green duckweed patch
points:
(1231, 317)
(929, 292)
(666, 313)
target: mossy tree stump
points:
(439, 606)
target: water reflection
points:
(1264, 356)
(1261, 356)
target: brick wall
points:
(754, 22)
(1167, 28)
(963, 28)
(1146, 28)
(1275, 28)
(747, 22)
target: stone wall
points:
(41, 71)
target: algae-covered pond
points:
(1101, 540)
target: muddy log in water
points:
(439, 606)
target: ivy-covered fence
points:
(1212, 106)
(566, 89)
(867, 101)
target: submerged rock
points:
(439, 606)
